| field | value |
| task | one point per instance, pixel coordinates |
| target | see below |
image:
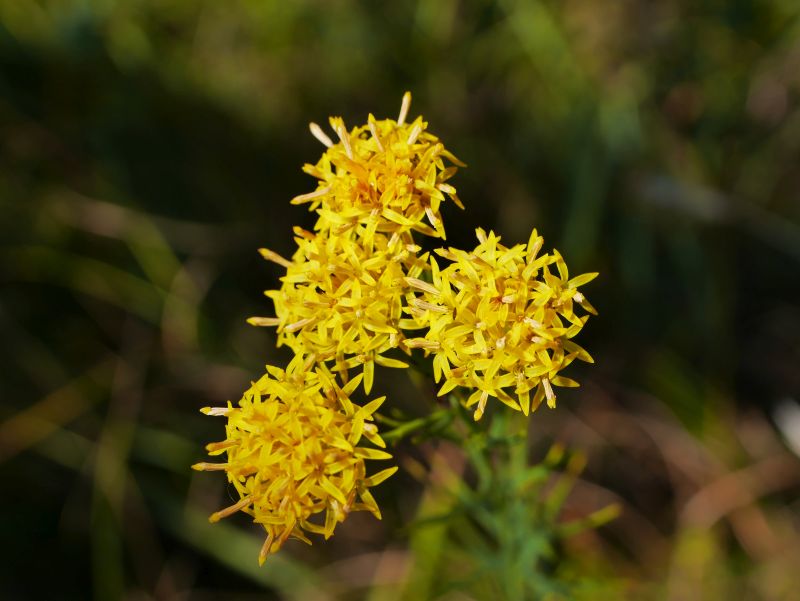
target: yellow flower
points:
(387, 175)
(498, 319)
(342, 298)
(293, 452)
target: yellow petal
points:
(376, 479)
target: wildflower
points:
(342, 298)
(387, 175)
(500, 320)
(293, 453)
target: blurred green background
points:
(148, 148)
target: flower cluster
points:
(292, 442)
(387, 176)
(344, 288)
(498, 321)
(498, 318)
(342, 299)
(292, 453)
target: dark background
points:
(148, 148)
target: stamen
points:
(217, 411)
(270, 255)
(311, 195)
(548, 392)
(458, 372)
(265, 549)
(374, 131)
(220, 446)
(422, 285)
(218, 515)
(422, 343)
(401, 119)
(293, 327)
(303, 233)
(320, 135)
(431, 216)
(446, 253)
(209, 467)
(534, 250)
(481, 406)
(264, 321)
(532, 322)
(341, 229)
(415, 132)
(286, 532)
(345, 138)
(578, 297)
(430, 307)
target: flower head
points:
(342, 296)
(293, 452)
(388, 175)
(500, 320)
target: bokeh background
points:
(148, 148)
